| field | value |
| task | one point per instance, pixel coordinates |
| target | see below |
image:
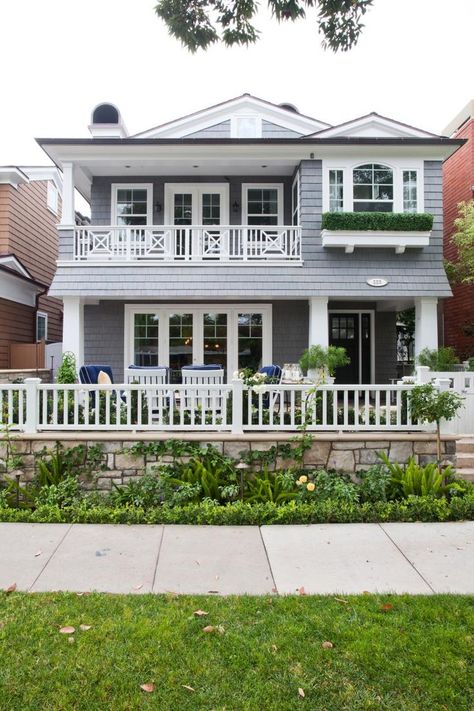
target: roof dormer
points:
(106, 122)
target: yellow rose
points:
(303, 479)
(310, 486)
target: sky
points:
(62, 57)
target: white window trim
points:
(44, 315)
(296, 182)
(51, 189)
(197, 190)
(235, 118)
(132, 186)
(259, 186)
(397, 165)
(232, 311)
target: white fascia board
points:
(11, 175)
(242, 105)
(14, 289)
(46, 172)
(374, 126)
(12, 262)
(350, 239)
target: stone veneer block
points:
(348, 444)
(401, 452)
(234, 449)
(369, 456)
(318, 454)
(129, 461)
(341, 460)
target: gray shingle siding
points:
(385, 346)
(272, 130)
(219, 130)
(325, 272)
(104, 336)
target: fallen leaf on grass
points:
(200, 613)
(210, 629)
(339, 599)
(301, 693)
(386, 607)
(38, 553)
(274, 648)
(11, 588)
(80, 594)
(67, 630)
(84, 628)
(70, 640)
(189, 688)
(149, 688)
(327, 645)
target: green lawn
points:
(416, 653)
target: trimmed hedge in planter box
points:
(381, 221)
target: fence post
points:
(31, 419)
(422, 374)
(443, 384)
(237, 406)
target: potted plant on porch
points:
(320, 363)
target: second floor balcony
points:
(188, 243)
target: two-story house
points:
(30, 209)
(206, 242)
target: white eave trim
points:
(383, 127)
(350, 239)
(242, 105)
(13, 288)
(10, 175)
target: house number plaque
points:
(377, 282)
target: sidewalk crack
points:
(407, 559)
(158, 556)
(274, 588)
(53, 553)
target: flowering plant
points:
(256, 381)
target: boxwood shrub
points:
(414, 508)
(396, 221)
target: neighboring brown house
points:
(30, 209)
(458, 182)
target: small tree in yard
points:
(428, 404)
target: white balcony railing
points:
(225, 243)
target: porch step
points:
(465, 445)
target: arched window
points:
(373, 188)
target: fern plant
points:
(276, 487)
(413, 479)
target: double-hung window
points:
(41, 326)
(372, 188)
(132, 204)
(263, 204)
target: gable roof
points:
(373, 125)
(243, 105)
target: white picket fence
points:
(461, 382)
(35, 407)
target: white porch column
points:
(426, 324)
(68, 215)
(318, 321)
(73, 328)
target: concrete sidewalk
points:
(322, 559)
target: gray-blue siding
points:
(325, 272)
(104, 335)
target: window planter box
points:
(376, 229)
(398, 240)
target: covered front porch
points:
(246, 334)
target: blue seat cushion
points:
(202, 367)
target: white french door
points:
(234, 337)
(196, 204)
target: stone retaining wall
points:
(10, 376)
(344, 452)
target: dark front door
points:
(344, 331)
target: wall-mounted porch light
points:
(158, 207)
(235, 206)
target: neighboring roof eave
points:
(37, 285)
